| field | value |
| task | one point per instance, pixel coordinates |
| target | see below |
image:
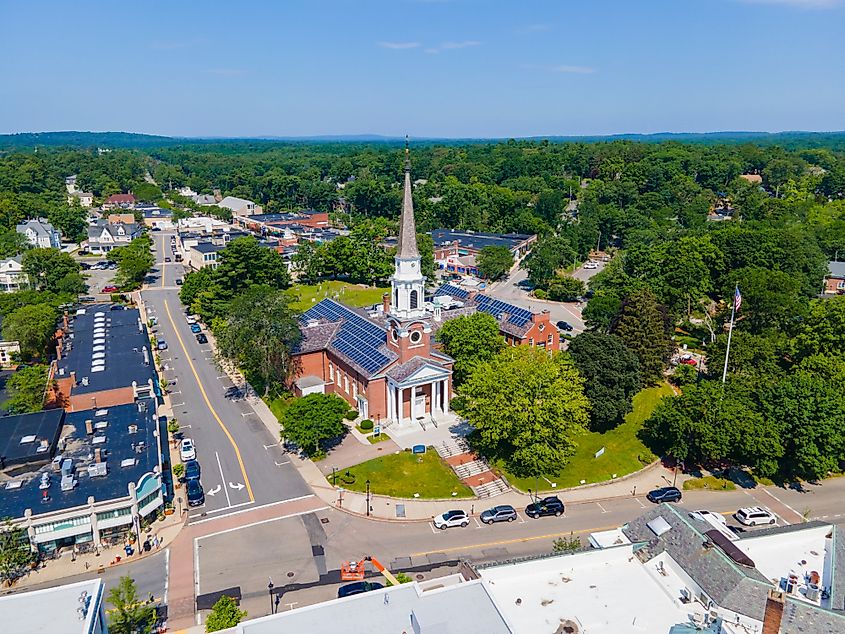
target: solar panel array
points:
(516, 315)
(358, 339)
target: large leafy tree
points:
(26, 389)
(600, 311)
(244, 263)
(32, 326)
(129, 614)
(70, 220)
(612, 377)
(425, 245)
(565, 288)
(470, 340)
(224, 615)
(643, 327)
(259, 333)
(52, 270)
(15, 553)
(314, 419)
(770, 299)
(527, 408)
(546, 258)
(824, 329)
(494, 261)
(12, 243)
(134, 262)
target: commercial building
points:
(240, 206)
(204, 254)
(90, 468)
(275, 223)
(74, 608)
(41, 234)
(454, 243)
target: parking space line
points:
(521, 519)
(431, 526)
(603, 510)
(477, 522)
(640, 502)
(255, 508)
(177, 405)
(223, 478)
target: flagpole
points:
(730, 333)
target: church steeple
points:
(408, 283)
(407, 226)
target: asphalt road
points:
(242, 463)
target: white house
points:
(103, 236)
(86, 199)
(12, 276)
(240, 206)
(40, 233)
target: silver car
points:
(503, 513)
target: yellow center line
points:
(513, 541)
(208, 403)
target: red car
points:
(110, 289)
(689, 361)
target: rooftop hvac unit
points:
(67, 467)
(813, 592)
(68, 482)
(97, 470)
(84, 380)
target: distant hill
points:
(22, 140)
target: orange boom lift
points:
(354, 570)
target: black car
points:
(192, 470)
(564, 325)
(178, 281)
(359, 587)
(234, 393)
(503, 513)
(196, 496)
(664, 494)
(167, 259)
(547, 506)
(201, 338)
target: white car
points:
(754, 516)
(591, 265)
(191, 320)
(450, 519)
(187, 451)
(704, 514)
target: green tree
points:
(52, 270)
(564, 288)
(13, 243)
(134, 262)
(70, 220)
(494, 262)
(823, 332)
(600, 311)
(26, 389)
(259, 333)
(129, 614)
(244, 263)
(33, 327)
(612, 377)
(195, 283)
(425, 245)
(15, 552)
(546, 258)
(527, 408)
(770, 299)
(470, 340)
(643, 327)
(224, 614)
(314, 419)
(147, 192)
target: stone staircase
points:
(472, 470)
(491, 489)
(454, 447)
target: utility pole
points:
(736, 302)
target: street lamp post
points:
(270, 590)
(368, 498)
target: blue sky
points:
(449, 68)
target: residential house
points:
(186, 191)
(86, 199)
(70, 184)
(119, 200)
(103, 236)
(240, 206)
(12, 277)
(834, 283)
(9, 351)
(204, 254)
(205, 199)
(40, 233)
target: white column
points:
(413, 403)
(389, 401)
(435, 397)
(445, 395)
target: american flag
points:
(737, 299)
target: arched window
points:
(413, 300)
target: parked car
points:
(196, 328)
(168, 260)
(564, 325)
(191, 319)
(503, 513)
(451, 519)
(87, 299)
(359, 587)
(754, 516)
(703, 514)
(547, 506)
(161, 345)
(591, 265)
(689, 361)
(664, 494)
(111, 288)
(116, 307)
(187, 451)
(233, 393)
(192, 470)
(196, 496)
(201, 338)
(178, 281)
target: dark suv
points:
(664, 494)
(547, 506)
(196, 496)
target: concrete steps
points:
(491, 489)
(471, 468)
(449, 448)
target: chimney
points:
(503, 316)
(89, 427)
(98, 455)
(73, 376)
(775, 603)
(59, 349)
(385, 303)
(64, 320)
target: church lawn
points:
(402, 474)
(624, 453)
(349, 294)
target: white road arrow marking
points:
(215, 490)
(237, 486)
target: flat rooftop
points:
(128, 455)
(601, 591)
(54, 610)
(106, 349)
(26, 438)
(464, 608)
(477, 240)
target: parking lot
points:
(97, 279)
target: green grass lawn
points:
(351, 294)
(624, 453)
(403, 474)
(278, 405)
